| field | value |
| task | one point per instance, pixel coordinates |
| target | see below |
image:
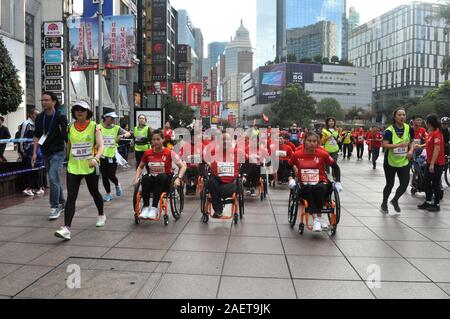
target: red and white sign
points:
(206, 109)
(215, 108)
(53, 29)
(179, 92)
(195, 94)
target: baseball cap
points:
(83, 104)
(445, 120)
(111, 114)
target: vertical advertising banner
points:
(215, 109)
(206, 109)
(195, 94)
(120, 41)
(83, 37)
(179, 92)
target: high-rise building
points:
(405, 52)
(185, 29)
(266, 26)
(353, 19)
(199, 52)
(317, 39)
(215, 49)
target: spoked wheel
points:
(240, 193)
(235, 218)
(137, 205)
(166, 220)
(293, 208)
(203, 208)
(177, 202)
(447, 174)
(301, 229)
(336, 218)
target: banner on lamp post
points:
(195, 94)
(83, 37)
(215, 109)
(206, 109)
(120, 41)
(179, 92)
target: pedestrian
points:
(112, 134)
(360, 143)
(330, 138)
(420, 133)
(368, 139)
(376, 142)
(445, 122)
(142, 138)
(51, 136)
(4, 135)
(84, 150)
(294, 137)
(398, 142)
(169, 135)
(435, 164)
(346, 137)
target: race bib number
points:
(400, 151)
(156, 168)
(310, 176)
(109, 141)
(361, 138)
(417, 142)
(82, 151)
(281, 153)
(225, 169)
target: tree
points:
(10, 90)
(295, 106)
(318, 59)
(182, 115)
(325, 61)
(354, 113)
(306, 60)
(330, 107)
(406, 103)
(334, 59)
(437, 100)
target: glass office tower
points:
(266, 31)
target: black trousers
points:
(432, 184)
(335, 156)
(156, 185)
(138, 158)
(192, 174)
(347, 150)
(33, 179)
(219, 191)
(73, 186)
(108, 171)
(315, 195)
(403, 176)
(360, 150)
(284, 171)
(253, 172)
(375, 156)
(2, 151)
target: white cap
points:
(111, 114)
(83, 104)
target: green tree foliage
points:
(405, 103)
(295, 106)
(334, 59)
(354, 113)
(318, 59)
(438, 100)
(330, 107)
(10, 90)
(182, 115)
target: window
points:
(6, 14)
(29, 29)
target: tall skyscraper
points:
(353, 19)
(215, 49)
(266, 35)
(185, 29)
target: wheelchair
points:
(172, 196)
(236, 200)
(332, 208)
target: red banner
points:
(206, 109)
(215, 108)
(195, 94)
(179, 92)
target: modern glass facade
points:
(266, 31)
(215, 49)
(404, 51)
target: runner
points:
(294, 135)
(376, 143)
(169, 135)
(347, 145)
(368, 139)
(330, 138)
(360, 143)
(284, 154)
(84, 149)
(308, 165)
(398, 142)
(420, 133)
(112, 134)
(142, 137)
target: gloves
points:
(292, 184)
(338, 187)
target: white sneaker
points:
(63, 233)
(101, 221)
(317, 227)
(40, 192)
(54, 214)
(324, 224)
(28, 192)
(144, 213)
(394, 214)
(152, 213)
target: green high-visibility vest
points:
(331, 145)
(397, 157)
(110, 140)
(141, 132)
(81, 150)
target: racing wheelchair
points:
(236, 200)
(172, 196)
(332, 208)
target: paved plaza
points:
(260, 257)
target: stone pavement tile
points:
(436, 234)
(445, 244)
(255, 245)
(251, 265)
(174, 227)
(350, 221)
(98, 284)
(114, 225)
(255, 230)
(419, 249)
(97, 238)
(22, 253)
(25, 221)
(258, 219)
(5, 297)
(319, 267)
(218, 229)
(425, 222)
(332, 289)
(365, 248)
(149, 286)
(363, 212)
(397, 233)
(391, 269)
(310, 246)
(409, 290)
(176, 286)
(256, 288)
(123, 265)
(57, 255)
(135, 254)
(43, 236)
(21, 279)
(194, 263)
(201, 243)
(287, 232)
(6, 269)
(445, 287)
(435, 269)
(344, 232)
(47, 287)
(22, 210)
(147, 240)
(382, 221)
(10, 233)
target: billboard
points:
(301, 73)
(215, 109)
(179, 92)
(272, 79)
(195, 94)
(83, 37)
(159, 15)
(206, 109)
(119, 41)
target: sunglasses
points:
(79, 109)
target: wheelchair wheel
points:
(203, 200)
(235, 218)
(301, 229)
(137, 221)
(447, 174)
(241, 198)
(177, 202)
(337, 211)
(166, 220)
(265, 187)
(137, 198)
(205, 219)
(293, 208)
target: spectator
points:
(4, 134)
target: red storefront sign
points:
(179, 92)
(206, 108)
(215, 108)
(195, 94)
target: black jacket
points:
(56, 134)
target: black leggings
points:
(375, 156)
(108, 171)
(219, 191)
(284, 171)
(315, 195)
(360, 150)
(73, 186)
(347, 150)
(138, 158)
(403, 176)
(432, 184)
(156, 185)
(253, 172)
